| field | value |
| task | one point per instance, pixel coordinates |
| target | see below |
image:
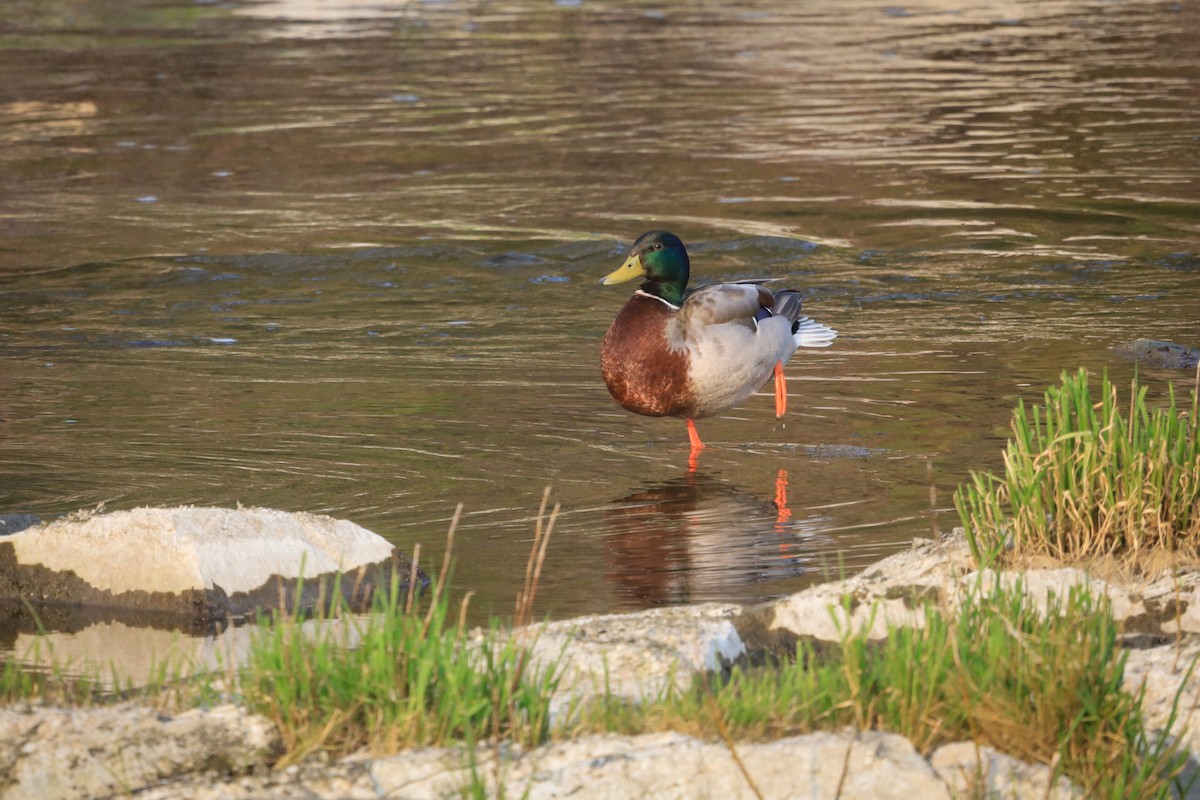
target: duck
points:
(694, 353)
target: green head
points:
(659, 257)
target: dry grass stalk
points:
(543, 529)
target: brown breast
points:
(641, 370)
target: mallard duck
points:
(675, 352)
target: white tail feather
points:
(813, 334)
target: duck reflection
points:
(696, 539)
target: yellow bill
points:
(632, 268)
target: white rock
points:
(972, 771)
(174, 549)
(635, 656)
(891, 592)
(60, 754)
(177, 559)
(670, 765)
(887, 593)
(308, 781)
(1169, 674)
(1179, 595)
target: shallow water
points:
(342, 258)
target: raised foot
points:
(780, 391)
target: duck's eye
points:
(658, 246)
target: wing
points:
(724, 302)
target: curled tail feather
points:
(805, 331)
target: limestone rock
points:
(1168, 673)
(1167, 678)
(889, 592)
(1171, 604)
(311, 780)
(671, 765)
(1040, 584)
(1166, 605)
(62, 754)
(893, 591)
(201, 563)
(972, 771)
(634, 655)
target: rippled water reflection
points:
(341, 258)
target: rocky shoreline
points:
(224, 752)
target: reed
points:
(1082, 480)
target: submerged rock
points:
(1161, 355)
(198, 564)
(11, 523)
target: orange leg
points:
(780, 391)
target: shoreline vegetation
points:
(1085, 481)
